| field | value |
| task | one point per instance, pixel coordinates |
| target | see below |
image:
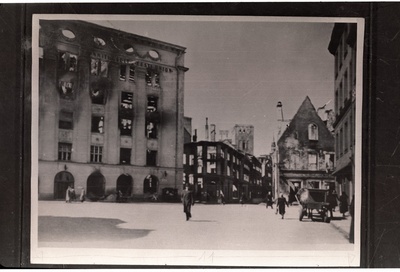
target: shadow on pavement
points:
(77, 229)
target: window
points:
(191, 159)
(346, 137)
(98, 68)
(313, 184)
(151, 130)
(313, 132)
(312, 161)
(65, 120)
(228, 171)
(67, 61)
(126, 127)
(131, 73)
(126, 100)
(211, 167)
(341, 141)
(98, 124)
(152, 78)
(151, 158)
(96, 153)
(152, 104)
(122, 72)
(125, 156)
(66, 89)
(125, 114)
(64, 151)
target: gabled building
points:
(304, 154)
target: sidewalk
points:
(341, 224)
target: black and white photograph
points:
(196, 140)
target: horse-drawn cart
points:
(313, 200)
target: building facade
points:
(110, 112)
(303, 156)
(343, 47)
(215, 167)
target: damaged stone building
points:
(110, 112)
(304, 154)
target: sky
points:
(239, 70)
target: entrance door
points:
(61, 182)
(96, 185)
(124, 184)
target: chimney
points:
(195, 136)
(212, 132)
(206, 128)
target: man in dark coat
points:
(281, 205)
(188, 202)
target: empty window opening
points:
(99, 68)
(125, 156)
(132, 73)
(122, 72)
(151, 158)
(151, 104)
(98, 124)
(67, 61)
(151, 130)
(65, 120)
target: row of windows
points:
(96, 154)
(125, 117)
(68, 62)
(344, 138)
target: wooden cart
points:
(313, 203)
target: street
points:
(163, 226)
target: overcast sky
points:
(238, 71)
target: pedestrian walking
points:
(222, 196)
(269, 201)
(68, 194)
(188, 202)
(281, 205)
(243, 198)
(83, 195)
(332, 201)
(344, 204)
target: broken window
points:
(126, 114)
(151, 158)
(122, 72)
(152, 78)
(66, 89)
(96, 153)
(98, 68)
(312, 161)
(125, 156)
(151, 104)
(65, 120)
(98, 124)
(131, 73)
(67, 61)
(312, 132)
(64, 151)
(126, 127)
(126, 100)
(151, 130)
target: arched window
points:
(313, 132)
